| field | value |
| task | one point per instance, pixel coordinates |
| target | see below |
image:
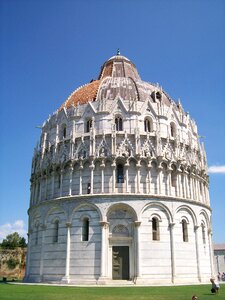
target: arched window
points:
(203, 233)
(85, 229)
(184, 230)
(88, 125)
(172, 129)
(119, 124)
(56, 231)
(155, 229)
(173, 177)
(63, 131)
(147, 125)
(158, 95)
(120, 174)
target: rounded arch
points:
(93, 206)
(157, 216)
(122, 206)
(148, 124)
(55, 208)
(118, 122)
(160, 205)
(189, 210)
(206, 217)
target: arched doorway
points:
(121, 258)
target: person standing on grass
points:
(215, 286)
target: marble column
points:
(197, 252)
(113, 165)
(137, 249)
(92, 166)
(126, 166)
(80, 178)
(102, 167)
(149, 178)
(40, 188)
(61, 182)
(173, 266)
(104, 249)
(211, 251)
(138, 166)
(46, 186)
(53, 183)
(28, 256)
(70, 179)
(43, 228)
(66, 278)
(159, 169)
(169, 182)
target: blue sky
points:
(48, 48)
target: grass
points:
(39, 292)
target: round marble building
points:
(119, 188)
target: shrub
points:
(12, 263)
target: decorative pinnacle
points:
(118, 51)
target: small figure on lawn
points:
(215, 286)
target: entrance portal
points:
(120, 262)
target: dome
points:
(118, 77)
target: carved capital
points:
(68, 224)
(137, 223)
(104, 224)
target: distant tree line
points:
(13, 241)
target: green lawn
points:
(36, 292)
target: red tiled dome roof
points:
(118, 76)
(83, 94)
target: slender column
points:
(199, 188)
(40, 188)
(186, 184)
(159, 180)
(173, 267)
(104, 247)
(92, 166)
(61, 182)
(204, 193)
(126, 174)
(137, 244)
(53, 183)
(67, 271)
(211, 251)
(191, 188)
(43, 228)
(149, 178)
(195, 188)
(102, 167)
(113, 165)
(46, 186)
(138, 166)
(80, 179)
(28, 256)
(71, 179)
(169, 182)
(178, 184)
(197, 253)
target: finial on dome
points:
(118, 51)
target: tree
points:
(13, 241)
